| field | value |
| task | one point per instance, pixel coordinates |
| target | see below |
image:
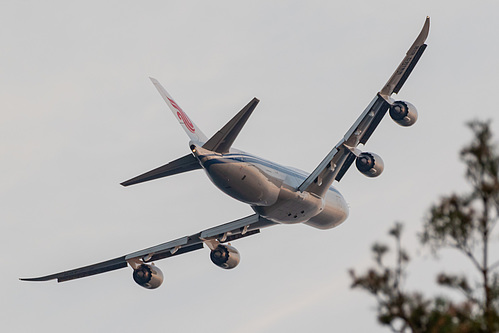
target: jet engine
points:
(225, 256)
(369, 164)
(403, 113)
(148, 276)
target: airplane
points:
(277, 194)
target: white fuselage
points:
(270, 189)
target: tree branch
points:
(494, 266)
(470, 255)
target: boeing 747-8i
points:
(277, 194)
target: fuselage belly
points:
(270, 189)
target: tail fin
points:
(194, 133)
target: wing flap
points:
(159, 248)
(235, 227)
(340, 158)
(182, 250)
(344, 168)
(379, 108)
(409, 69)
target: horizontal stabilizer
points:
(183, 164)
(224, 138)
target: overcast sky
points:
(79, 115)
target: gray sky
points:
(79, 115)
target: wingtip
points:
(424, 31)
(40, 279)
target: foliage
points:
(463, 222)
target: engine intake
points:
(369, 164)
(148, 276)
(403, 113)
(225, 256)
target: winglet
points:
(405, 68)
(194, 133)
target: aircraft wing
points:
(341, 157)
(227, 232)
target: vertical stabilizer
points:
(194, 133)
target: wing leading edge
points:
(227, 232)
(341, 157)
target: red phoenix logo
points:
(182, 116)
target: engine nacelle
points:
(225, 256)
(148, 276)
(369, 164)
(403, 113)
